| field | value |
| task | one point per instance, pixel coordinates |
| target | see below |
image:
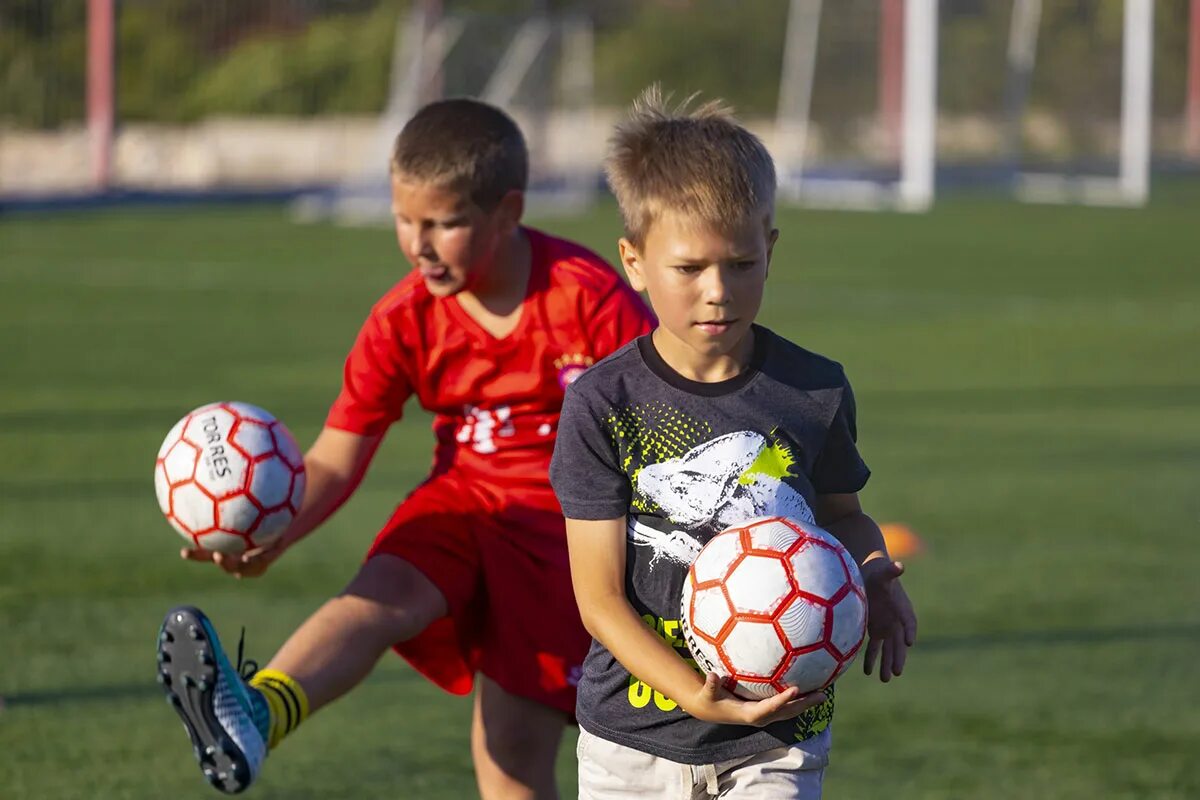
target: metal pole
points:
(101, 89)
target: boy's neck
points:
(703, 367)
(495, 302)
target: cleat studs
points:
(164, 657)
(202, 685)
(206, 660)
(165, 637)
(194, 632)
(172, 700)
(164, 678)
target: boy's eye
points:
(746, 265)
(689, 269)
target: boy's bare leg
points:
(388, 601)
(514, 743)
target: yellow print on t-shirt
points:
(641, 693)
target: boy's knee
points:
(517, 735)
(510, 743)
(396, 595)
(512, 762)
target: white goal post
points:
(910, 186)
(1131, 185)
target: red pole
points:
(891, 73)
(101, 89)
(1191, 129)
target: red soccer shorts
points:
(499, 556)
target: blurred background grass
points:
(1028, 390)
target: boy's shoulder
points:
(408, 294)
(799, 368)
(617, 374)
(573, 267)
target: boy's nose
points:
(420, 245)
(716, 287)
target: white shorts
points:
(608, 771)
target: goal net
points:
(881, 99)
(536, 67)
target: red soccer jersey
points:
(496, 401)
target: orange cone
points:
(901, 541)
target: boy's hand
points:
(891, 621)
(249, 564)
(715, 703)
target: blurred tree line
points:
(180, 60)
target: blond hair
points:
(699, 163)
(465, 145)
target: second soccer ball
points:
(229, 477)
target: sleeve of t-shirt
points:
(619, 318)
(375, 382)
(584, 471)
(839, 468)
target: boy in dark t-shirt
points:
(708, 422)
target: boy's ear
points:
(511, 208)
(772, 238)
(631, 260)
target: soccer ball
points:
(774, 603)
(229, 477)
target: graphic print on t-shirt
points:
(711, 486)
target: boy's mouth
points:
(435, 273)
(715, 326)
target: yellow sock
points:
(286, 700)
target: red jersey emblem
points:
(571, 366)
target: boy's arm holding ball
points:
(335, 465)
(891, 621)
(597, 549)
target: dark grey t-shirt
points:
(683, 460)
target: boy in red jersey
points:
(487, 331)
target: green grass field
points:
(1029, 399)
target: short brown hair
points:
(700, 163)
(466, 145)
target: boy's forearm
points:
(617, 626)
(334, 467)
(324, 493)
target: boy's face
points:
(705, 285)
(449, 239)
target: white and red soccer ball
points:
(771, 604)
(229, 477)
